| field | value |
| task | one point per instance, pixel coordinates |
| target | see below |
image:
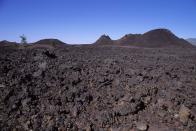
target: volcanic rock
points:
(141, 126)
(184, 114)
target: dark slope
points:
(192, 41)
(129, 39)
(154, 38)
(162, 38)
(49, 42)
(104, 40)
(5, 43)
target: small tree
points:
(23, 39)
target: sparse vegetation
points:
(23, 39)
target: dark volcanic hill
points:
(162, 38)
(49, 42)
(5, 43)
(104, 40)
(153, 38)
(129, 39)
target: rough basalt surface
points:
(97, 88)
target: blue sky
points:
(83, 21)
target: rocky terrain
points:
(97, 87)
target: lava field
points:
(97, 88)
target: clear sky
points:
(83, 21)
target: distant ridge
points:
(5, 43)
(162, 38)
(104, 40)
(129, 39)
(192, 41)
(50, 42)
(153, 38)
